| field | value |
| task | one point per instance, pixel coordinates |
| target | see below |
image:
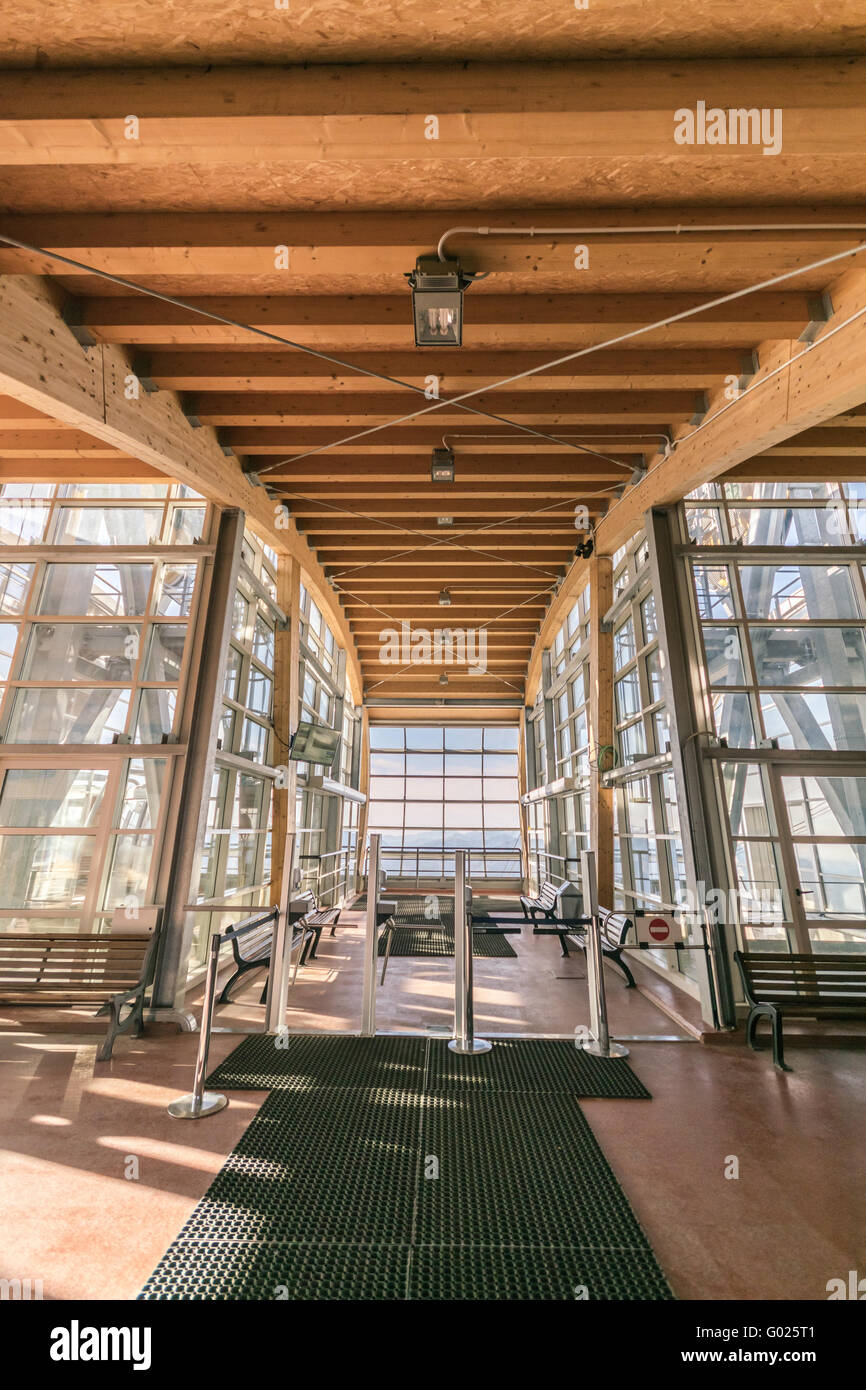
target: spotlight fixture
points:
(442, 466)
(437, 301)
(443, 679)
(444, 598)
(584, 549)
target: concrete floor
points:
(96, 1178)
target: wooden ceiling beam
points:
(373, 113)
(557, 323)
(253, 409)
(254, 369)
(380, 246)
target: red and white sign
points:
(657, 928)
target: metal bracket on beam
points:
(702, 408)
(820, 313)
(190, 416)
(73, 317)
(141, 369)
(750, 365)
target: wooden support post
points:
(601, 734)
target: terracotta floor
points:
(71, 1130)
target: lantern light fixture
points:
(442, 466)
(437, 301)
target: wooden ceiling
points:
(232, 163)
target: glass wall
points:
(558, 823)
(95, 655)
(434, 790)
(649, 869)
(236, 853)
(327, 822)
(782, 641)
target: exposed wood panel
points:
(213, 31)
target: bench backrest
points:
(253, 944)
(547, 896)
(773, 978)
(614, 927)
(63, 963)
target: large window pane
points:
(107, 525)
(828, 806)
(68, 715)
(45, 870)
(816, 721)
(81, 652)
(792, 591)
(809, 655)
(21, 524)
(52, 797)
(104, 590)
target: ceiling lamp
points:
(437, 301)
(443, 679)
(444, 598)
(444, 521)
(442, 466)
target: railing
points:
(537, 873)
(331, 884)
(436, 863)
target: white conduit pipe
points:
(677, 229)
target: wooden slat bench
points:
(112, 970)
(319, 917)
(546, 903)
(811, 986)
(613, 929)
(253, 950)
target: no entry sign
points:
(657, 927)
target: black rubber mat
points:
(309, 1061)
(359, 1180)
(533, 1065)
(418, 941)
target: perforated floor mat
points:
(410, 941)
(376, 1171)
(533, 1065)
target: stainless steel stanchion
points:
(371, 940)
(281, 954)
(599, 1044)
(464, 1039)
(201, 1102)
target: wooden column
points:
(601, 735)
(286, 706)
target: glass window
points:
(107, 525)
(165, 652)
(14, 585)
(68, 715)
(101, 590)
(61, 798)
(81, 652)
(45, 870)
(809, 656)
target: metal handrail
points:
(199, 1101)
